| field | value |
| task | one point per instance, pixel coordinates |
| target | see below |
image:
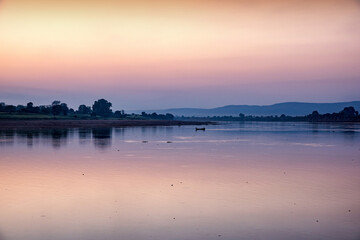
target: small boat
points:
(199, 129)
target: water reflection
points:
(119, 132)
(84, 135)
(6, 137)
(102, 137)
(57, 137)
(238, 181)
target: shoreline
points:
(94, 123)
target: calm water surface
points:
(233, 181)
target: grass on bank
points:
(34, 116)
(37, 116)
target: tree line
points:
(101, 108)
(348, 114)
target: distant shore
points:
(6, 123)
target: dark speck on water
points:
(168, 142)
(172, 185)
(317, 220)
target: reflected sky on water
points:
(232, 181)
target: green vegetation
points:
(4, 115)
(348, 114)
(30, 116)
(101, 109)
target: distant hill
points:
(287, 108)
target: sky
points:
(154, 54)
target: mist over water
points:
(258, 180)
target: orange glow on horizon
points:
(141, 45)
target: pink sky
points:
(159, 54)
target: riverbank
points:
(94, 123)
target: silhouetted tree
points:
(56, 102)
(119, 114)
(45, 110)
(20, 108)
(169, 116)
(36, 109)
(154, 115)
(2, 106)
(349, 112)
(56, 110)
(102, 107)
(64, 109)
(29, 107)
(242, 116)
(83, 109)
(10, 108)
(314, 116)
